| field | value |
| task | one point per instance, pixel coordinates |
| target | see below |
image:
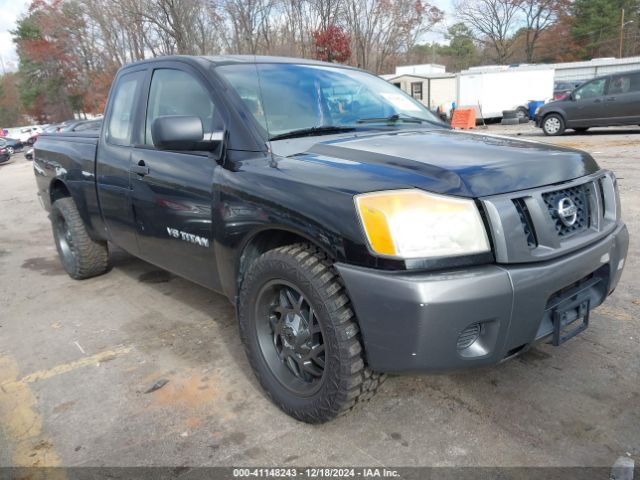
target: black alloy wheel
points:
(290, 337)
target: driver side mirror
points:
(183, 133)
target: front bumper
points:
(413, 321)
(537, 119)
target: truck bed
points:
(71, 159)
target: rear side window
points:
(174, 92)
(120, 123)
(624, 83)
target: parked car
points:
(25, 135)
(90, 125)
(11, 145)
(562, 89)
(612, 100)
(81, 125)
(354, 232)
(53, 128)
(4, 155)
(29, 154)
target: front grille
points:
(527, 223)
(468, 336)
(603, 206)
(577, 195)
(526, 226)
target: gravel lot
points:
(76, 359)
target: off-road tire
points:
(84, 257)
(553, 120)
(347, 380)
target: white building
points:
(571, 71)
(423, 69)
(582, 71)
(432, 90)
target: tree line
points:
(69, 50)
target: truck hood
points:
(452, 162)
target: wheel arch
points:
(557, 112)
(58, 189)
(266, 239)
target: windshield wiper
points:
(398, 118)
(311, 131)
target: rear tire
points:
(80, 255)
(553, 125)
(11, 151)
(301, 336)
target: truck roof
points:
(237, 59)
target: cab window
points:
(123, 108)
(175, 92)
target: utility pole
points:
(621, 32)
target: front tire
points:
(301, 336)
(553, 125)
(11, 151)
(81, 256)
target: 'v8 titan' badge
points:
(188, 237)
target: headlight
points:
(417, 224)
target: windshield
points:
(287, 98)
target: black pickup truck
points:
(354, 232)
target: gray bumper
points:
(412, 321)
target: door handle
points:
(140, 169)
(611, 99)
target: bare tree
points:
(250, 25)
(383, 28)
(538, 15)
(492, 22)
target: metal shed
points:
(431, 90)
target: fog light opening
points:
(469, 336)
(478, 339)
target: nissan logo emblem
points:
(567, 211)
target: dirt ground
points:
(76, 359)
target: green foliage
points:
(461, 47)
(596, 24)
(43, 86)
(10, 107)
(27, 29)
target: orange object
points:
(464, 118)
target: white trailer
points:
(496, 88)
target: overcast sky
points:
(12, 9)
